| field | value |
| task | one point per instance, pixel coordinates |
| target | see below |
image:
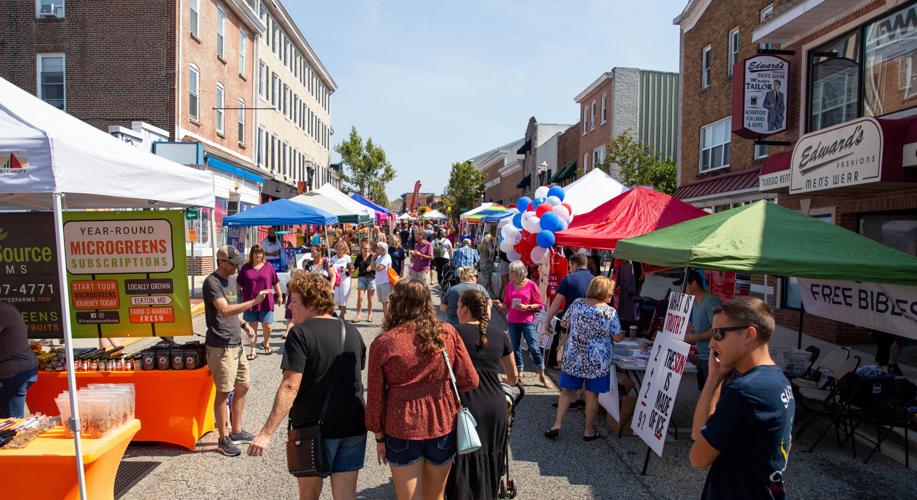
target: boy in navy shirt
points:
(743, 427)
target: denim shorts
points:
(366, 283)
(597, 385)
(258, 316)
(345, 454)
(436, 451)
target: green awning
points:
(766, 238)
(565, 172)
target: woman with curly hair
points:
(410, 405)
(477, 475)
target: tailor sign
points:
(848, 154)
(759, 96)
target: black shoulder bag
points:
(305, 446)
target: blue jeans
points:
(12, 393)
(527, 330)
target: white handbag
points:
(466, 436)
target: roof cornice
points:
(691, 14)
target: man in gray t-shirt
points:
(225, 355)
(18, 364)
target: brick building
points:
(539, 155)
(639, 102)
(852, 73)
(567, 153)
(502, 168)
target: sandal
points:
(251, 356)
(267, 349)
(593, 437)
(552, 433)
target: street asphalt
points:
(567, 468)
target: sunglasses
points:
(719, 333)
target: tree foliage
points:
(466, 183)
(638, 166)
(368, 170)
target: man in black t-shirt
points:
(743, 428)
(317, 367)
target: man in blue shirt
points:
(742, 428)
(701, 322)
(466, 255)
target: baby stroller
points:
(514, 395)
(448, 277)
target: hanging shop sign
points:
(844, 155)
(126, 272)
(28, 272)
(759, 96)
(656, 403)
(886, 308)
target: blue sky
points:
(437, 82)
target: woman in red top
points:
(410, 403)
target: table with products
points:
(46, 467)
(175, 406)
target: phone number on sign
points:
(30, 289)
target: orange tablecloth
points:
(175, 406)
(46, 467)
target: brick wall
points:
(202, 265)
(600, 135)
(568, 147)
(120, 56)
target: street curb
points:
(197, 309)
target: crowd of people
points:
(409, 406)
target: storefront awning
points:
(726, 184)
(525, 148)
(565, 172)
(234, 170)
(524, 183)
(775, 172)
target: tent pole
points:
(74, 422)
(802, 315)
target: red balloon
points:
(525, 246)
(543, 209)
(569, 208)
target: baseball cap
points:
(230, 254)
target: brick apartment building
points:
(567, 153)
(640, 102)
(502, 168)
(539, 155)
(853, 69)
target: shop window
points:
(835, 82)
(890, 46)
(898, 231)
(715, 145)
(52, 80)
(789, 286)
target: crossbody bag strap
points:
(452, 377)
(321, 418)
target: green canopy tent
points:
(766, 238)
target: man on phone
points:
(421, 257)
(225, 356)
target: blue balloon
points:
(523, 204)
(551, 222)
(557, 191)
(545, 239)
(517, 220)
(537, 202)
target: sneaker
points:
(226, 447)
(241, 437)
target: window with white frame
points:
(242, 50)
(295, 110)
(49, 8)
(765, 13)
(194, 79)
(598, 156)
(275, 86)
(706, 63)
(259, 147)
(760, 151)
(52, 79)
(221, 33)
(733, 49)
(286, 101)
(285, 159)
(240, 125)
(194, 18)
(585, 119)
(604, 108)
(592, 117)
(262, 80)
(218, 108)
(715, 145)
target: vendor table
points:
(46, 467)
(175, 406)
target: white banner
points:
(887, 308)
(678, 315)
(657, 394)
(611, 400)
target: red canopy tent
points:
(633, 213)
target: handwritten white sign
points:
(656, 402)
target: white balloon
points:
(506, 229)
(562, 212)
(515, 236)
(539, 255)
(563, 225)
(531, 224)
(506, 246)
(553, 201)
(513, 255)
(542, 192)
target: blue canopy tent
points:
(280, 213)
(366, 202)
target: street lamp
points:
(542, 170)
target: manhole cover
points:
(129, 474)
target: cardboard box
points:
(628, 403)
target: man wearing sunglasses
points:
(743, 428)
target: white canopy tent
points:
(50, 159)
(405, 216)
(434, 215)
(591, 190)
(346, 201)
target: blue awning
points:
(368, 203)
(234, 170)
(280, 213)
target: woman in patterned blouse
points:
(410, 404)
(587, 353)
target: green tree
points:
(466, 183)
(638, 166)
(368, 170)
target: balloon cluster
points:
(530, 233)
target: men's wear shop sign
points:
(28, 272)
(887, 308)
(759, 96)
(127, 274)
(845, 155)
